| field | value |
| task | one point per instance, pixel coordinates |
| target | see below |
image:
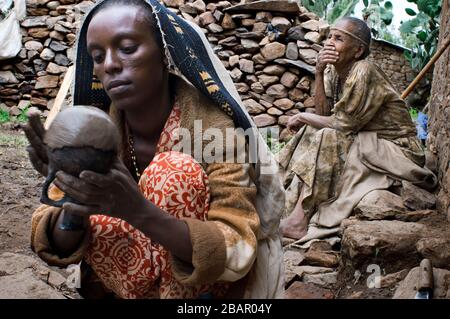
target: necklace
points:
(337, 89)
(133, 154)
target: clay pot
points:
(80, 138)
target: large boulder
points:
(435, 249)
(417, 198)
(363, 241)
(379, 204)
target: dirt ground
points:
(20, 187)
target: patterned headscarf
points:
(186, 53)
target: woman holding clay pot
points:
(163, 222)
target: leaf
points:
(422, 4)
(422, 36)
(428, 6)
(433, 36)
(415, 63)
(387, 17)
(407, 54)
(409, 26)
(410, 11)
(366, 3)
(388, 5)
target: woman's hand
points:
(295, 122)
(115, 194)
(37, 150)
(327, 55)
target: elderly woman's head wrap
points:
(361, 32)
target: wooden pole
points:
(60, 97)
(425, 69)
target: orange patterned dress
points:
(131, 264)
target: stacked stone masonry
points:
(48, 32)
(393, 62)
(269, 48)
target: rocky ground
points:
(22, 274)
(381, 247)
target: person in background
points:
(360, 138)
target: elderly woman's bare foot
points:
(292, 228)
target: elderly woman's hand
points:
(327, 55)
(115, 194)
(295, 122)
(37, 151)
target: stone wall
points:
(35, 75)
(269, 48)
(439, 137)
(393, 62)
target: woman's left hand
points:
(115, 193)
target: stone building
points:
(390, 57)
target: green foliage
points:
(319, 7)
(341, 9)
(273, 142)
(4, 117)
(22, 117)
(331, 10)
(421, 33)
(275, 145)
(378, 15)
(410, 11)
(414, 113)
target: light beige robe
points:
(371, 144)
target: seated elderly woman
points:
(162, 222)
(361, 138)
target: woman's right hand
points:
(327, 55)
(37, 150)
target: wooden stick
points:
(60, 97)
(425, 69)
